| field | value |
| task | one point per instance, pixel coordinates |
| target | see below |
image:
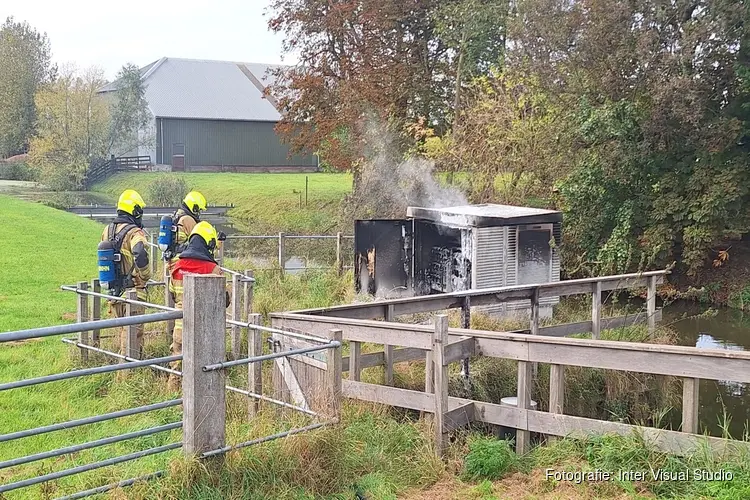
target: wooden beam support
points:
(82, 315)
(690, 405)
(596, 310)
(354, 367)
(254, 370)
(439, 339)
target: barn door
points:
(178, 157)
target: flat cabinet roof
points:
(487, 215)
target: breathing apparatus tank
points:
(166, 233)
(107, 264)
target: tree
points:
(24, 67)
(73, 128)
(658, 160)
(129, 112)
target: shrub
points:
(168, 191)
(15, 171)
(489, 458)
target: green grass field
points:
(265, 203)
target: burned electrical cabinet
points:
(459, 248)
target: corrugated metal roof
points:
(213, 90)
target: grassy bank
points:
(265, 203)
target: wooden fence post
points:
(152, 249)
(690, 405)
(651, 305)
(355, 365)
(203, 393)
(82, 315)
(249, 286)
(388, 350)
(236, 331)
(281, 253)
(439, 339)
(596, 310)
(169, 302)
(254, 370)
(465, 323)
(333, 374)
(132, 349)
(556, 391)
(339, 261)
(96, 310)
(534, 324)
(220, 257)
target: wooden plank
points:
(460, 350)
(459, 417)
(674, 442)
(651, 305)
(289, 378)
(96, 311)
(690, 405)
(362, 331)
(606, 324)
(82, 315)
(254, 370)
(487, 296)
(496, 414)
(334, 376)
(525, 379)
(596, 310)
(392, 396)
(353, 366)
(439, 340)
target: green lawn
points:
(265, 203)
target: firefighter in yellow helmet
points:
(129, 240)
(196, 258)
(185, 218)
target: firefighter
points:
(132, 271)
(185, 218)
(196, 258)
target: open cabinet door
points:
(382, 257)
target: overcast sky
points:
(109, 34)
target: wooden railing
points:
(100, 171)
(439, 346)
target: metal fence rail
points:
(255, 359)
(88, 420)
(85, 372)
(108, 487)
(87, 326)
(87, 446)
(264, 439)
(88, 467)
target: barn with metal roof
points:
(213, 116)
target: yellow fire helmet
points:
(207, 232)
(195, 201)
(131, 203)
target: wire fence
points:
(249, 348)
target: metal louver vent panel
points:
(557, 237)
(489, 257)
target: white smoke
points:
(389, 184)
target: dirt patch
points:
(521, 486)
